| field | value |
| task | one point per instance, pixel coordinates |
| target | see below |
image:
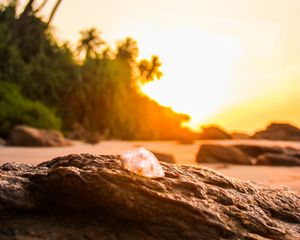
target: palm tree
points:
(90, 42)
(149, 70)
(128, 50)
(53, 10)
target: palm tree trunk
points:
(53, 11)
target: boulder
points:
(213, 153)
(213, 132)
(256, 150)
(92, 197)
(279, 131)
(248, 154)
(278, 160)
(163, 157)
(28, 136)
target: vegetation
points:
(99, 93)
(15, 109)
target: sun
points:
(198, 69)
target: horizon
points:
(243, 56)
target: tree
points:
(90, 42)
(53, 11)
(127, 50)
(149, 70)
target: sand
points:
(184, 154)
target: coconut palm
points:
(90, 42)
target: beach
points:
(183, 154)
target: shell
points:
(142, 162)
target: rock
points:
(213, 153)
(256, 150)
(248, 154)
(238, 135)
(213, 132)
(92, 197)
(277, 160)
(186, 141)
(2, 141)
(163, 157)
(32, 137)
(279, 131)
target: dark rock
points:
(186, 141)
(92, 197)
(256, 150)
(248, 154)
(214, 132)
(2, 141)
(279, 131)
(212, 153)
(28, 136)
(277, 159)
(238, 135)
(162, 157)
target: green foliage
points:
(16, 109)
(100, 93)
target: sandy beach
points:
(183, 154)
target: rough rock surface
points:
(248, 154)
(214, 132)
(28, 136)
(92, 197)
(279, 131)
(213, 153)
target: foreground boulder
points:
(279, 131)
(214, 132)
(92, 197)
(28, 136)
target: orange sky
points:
(231, 62)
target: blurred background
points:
(149, 69)
(138, 73)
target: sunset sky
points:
(230, 62)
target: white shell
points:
(142, 162)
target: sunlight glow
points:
(197, 74)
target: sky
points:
(235, 63)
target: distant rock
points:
(214, 132)
(213, 153)
(238, 135)
(279, 131)
(2, 141)
(28, 136)
(92, 197)
(80, 133)
(278, 160)
(248, 154)
(256, 150)
(163, 157)
(186, 141)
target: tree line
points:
(44, 85)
